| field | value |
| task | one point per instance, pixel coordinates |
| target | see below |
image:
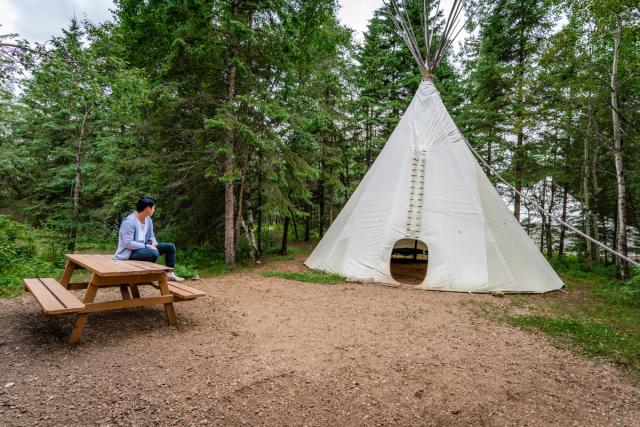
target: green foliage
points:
(20, 257)
(307, 277)
(186, 271)
(204, 260)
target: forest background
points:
(253, 121)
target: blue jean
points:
(148, 254)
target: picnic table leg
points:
(81, 319)
(124, 290)
(168, 308)
(69, 267)
(134, 290)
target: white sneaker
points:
(173, 278)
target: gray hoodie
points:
(127, 239)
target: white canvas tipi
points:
(426, 185)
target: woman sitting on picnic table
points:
(136, 240)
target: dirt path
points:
(266, 351)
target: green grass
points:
(20, 257)
(590, 338)
(307, 277)
(596, 314)
(210, 262)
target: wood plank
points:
(77, 285)
(135, 292)
(126, 279)
(130, 266)
(84, 285)
(108, 266)
(78, 327)
(81, 319)
(90, 295)
(146, 265)
(42, 295)
(129, 303)
(186, 288)
(84, 260)
(185, 292)
(52, 302)
(124, 291)
(102, 265)
(65, 297)
(105, 265)
(168, 308)
(69, 267)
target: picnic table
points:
(405, 252)
(55, 297)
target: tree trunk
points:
(549, 236)
(295, 225)
(594, 206)
(238, 214)
(248, 227)
(259, 245)
(519, 172)
(73, 231)
(518, 155)
(563, 229)
(617, 142)
(285, 236)
(368, 137)
(229, 161)
(586, 203)
(307, 224)
(614, 241)
(321, 202)
(604, 240)
(543, 223)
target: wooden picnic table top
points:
(105, 265)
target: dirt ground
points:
(408, 271)
(267, 351)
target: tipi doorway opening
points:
(409, 261)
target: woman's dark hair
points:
(144, 203)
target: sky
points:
(38, 20)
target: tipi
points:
(426, 186)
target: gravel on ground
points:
(268, 351)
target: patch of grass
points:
(591, 338)
(596, 314)
(186, 271)
(210, 262)
(307, 277)
(273, 254)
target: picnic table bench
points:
(55, 297)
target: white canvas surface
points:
(475, 244)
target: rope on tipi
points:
(547, 213)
